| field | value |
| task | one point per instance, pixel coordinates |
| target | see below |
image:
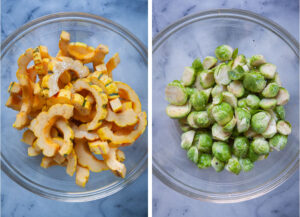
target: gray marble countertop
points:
(283, 201)
(131, 201)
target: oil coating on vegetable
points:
(230, 109)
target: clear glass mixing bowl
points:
(54, 182)
(197, 36)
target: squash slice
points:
(113, 164)
(81, 132)
(62, 97)
(100, 98)
(81, 51)
(32, 152)
(59, 67)
(120, 155)
(120, 138)
(47, 162)
(82, 176)
(126, 92)
(15, 88)
(87, 159)
(72, 163)
(81, 104)
(64, 43)
(28, 137)
(122, 119)
(14, 102)
(38, 62)
(115, 105)
(100, 53)
(42, 124)
(112, 64)
(58, 158)
(63, 126)
(99, 147)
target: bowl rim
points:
(268, 186)
(86, 195)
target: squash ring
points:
(113, 164)
(42, 124)
(82, 176)
(64, 43)
(81, 132)
(72, 163)
(63, 126)
(122, 119)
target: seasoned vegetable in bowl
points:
(76, 117)
(232, 112)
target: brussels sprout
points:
(240, 146)
(189, 76)
(217, 90)
(193, 154)
(278, 142)
(197, 83)
(237, 73)
(242, 103)
(175, 93)
(246, 164)
(222, 113)
(204, 142)
(243, 118)
(209, 62)
(271, 129)
(233, 165)
(187, 139)
(190, 91)
(273, 114)
(221, 74)
(217, 164)
(271, 90)
(224, 52)
(246, 68)
(253, 101)
(209, 108)
(284, 127)
(260, 121)
(207, 79)
(267, 103)
(230, 125)
(184, 126)
(178, 111)
(257, 60)
(218, 133)
(260, 146)
(235, 53)
(217, 99)
(268, 70)
(252, 155)
(204, 161)
(250, 133)
(254, 82)
(236, 88)
(240, 60)
(283, 96)
(230, 99)
(191, 120)
(280, 111)
(207, 93)
(221, 150)
(277, 79)
(198, 100)
(201, 119)
(197, 65)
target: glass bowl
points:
(54, 183)
(197, 36)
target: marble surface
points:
(283, 201)
(131, 201)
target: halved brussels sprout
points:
(218, 133)
(230, 125)
(252, 155)
(189, 76)
(246, 164)
(271, 90)
(197, 65)
(217, 99)
(217, 90)
(243, 118)
(233, 165)
(253, 101)
(191, 120)
(178, 111)
(204, 161)
(260, 146)
(283, 96)
(280, 111)
(221, 151)
(240, 60)
(236, 88)
(242, 103)
(190, 91)
(224, 52)
(201, 119)
(230, 99)
(207, 79)
(271, 129)
(257, 60)
(240, 146)
(209, 62)
(183, 124)
(278, 142)
(198, 100)
(267, 103)
(193, 154)
(254, 82)
(268, 70)
(217, 164)
(203, 142)
(176, 93)
(187, 139)
(221, 74)
(237, 73)
(284, 127)
(222, 113)
(260, 121)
